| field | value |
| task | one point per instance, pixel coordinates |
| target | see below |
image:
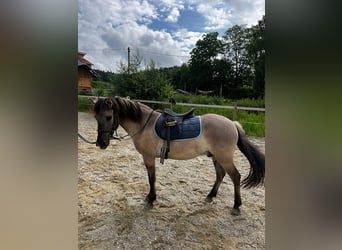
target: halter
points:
(115, 127)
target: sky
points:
(164, 31)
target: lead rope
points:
(84, 139)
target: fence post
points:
(235, 112)
(172, 102)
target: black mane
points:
(125, 108)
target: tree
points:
(140, 83)
(221, 73)
(104, 76)
(178, 76)
(235, 49)
(203, 60)
(233, 66)
(256, 51)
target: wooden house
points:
(85, 73)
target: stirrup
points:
(171, 123)
(163, 153)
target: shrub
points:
(85, 104)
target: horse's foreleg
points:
(235, 176)
(220, 173)
(151, 171)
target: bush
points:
(259, 103)
(103, 88)
(199, 99)
(84, 92)
(85, 104)
(149, 84)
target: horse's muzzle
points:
(102, 145)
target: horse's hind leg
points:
(151, 171)
(235, 176)
(220, 173)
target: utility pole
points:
(128, 59)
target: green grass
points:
(103, 88)
(200, 99)
(85, 104)
(253, 122)
(257, 103)
(214, 100)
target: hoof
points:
(149, 201)
(209, 199)
(235, 211)
(148, 206)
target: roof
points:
(82, 60)
(80, 63)
(93, 72)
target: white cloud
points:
(170, 3)
(171, 9)
(173, 16)
(216, 18)
(107, 27)
(187, 38)
(100, 27)
(156, 45)
(223, 14)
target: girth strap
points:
(172, 119)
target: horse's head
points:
(107, 121)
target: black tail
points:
(256, 160)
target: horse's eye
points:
(108, 118)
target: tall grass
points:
(85, 104)
(257, 103)
(200, 99)
(214, 100)
(253, 122)
(103, 88)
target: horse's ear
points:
(109, 103)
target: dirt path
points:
(112, 186)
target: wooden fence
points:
(192, 104)
(235, 108)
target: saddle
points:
(172, 119)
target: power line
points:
(163, 54)
(102, 49)
(138, 49)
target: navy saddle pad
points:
(189, 129)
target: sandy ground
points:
(112, 186)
